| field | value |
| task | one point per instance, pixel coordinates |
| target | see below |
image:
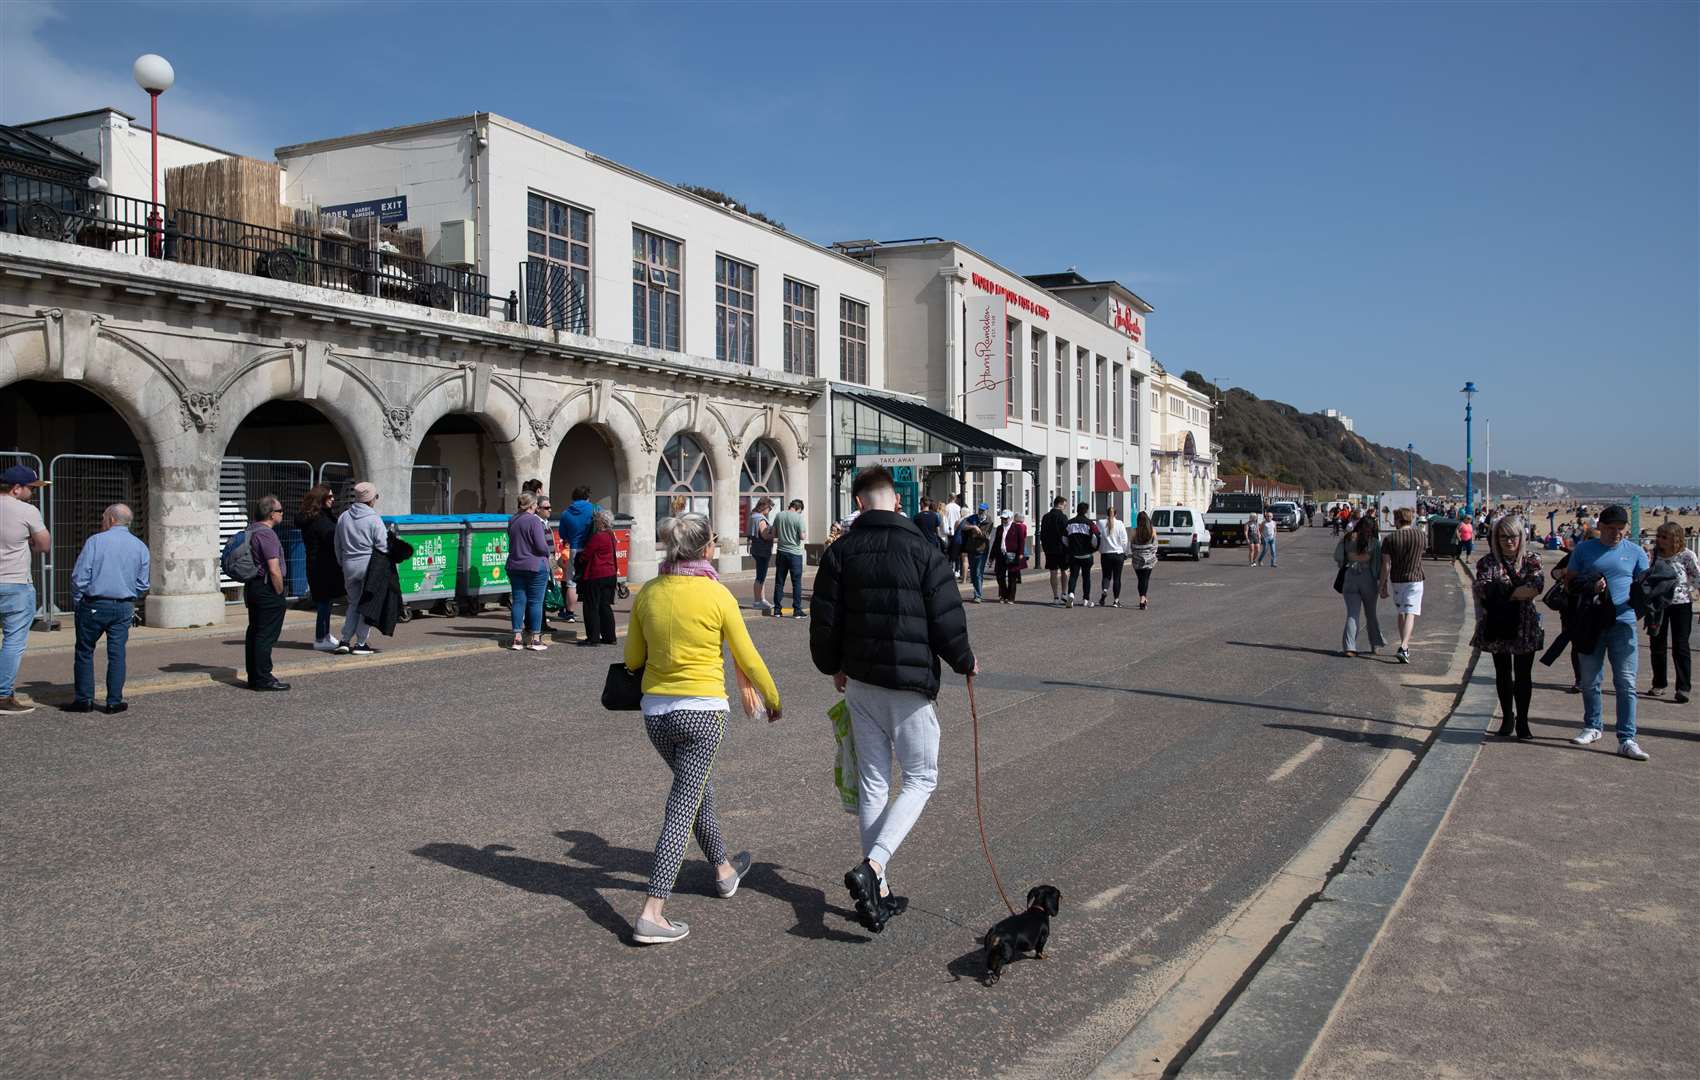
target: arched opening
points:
(585, 459)
(458, 469)
(685, 473)
(73, 438)
(282, 448)
(762, 474)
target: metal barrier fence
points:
(43, 612)
(241, 482)
(82, 487)
(432, 493)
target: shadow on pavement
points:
(580, 887)
(1285, 648)
(219, 672)
(1380, 740)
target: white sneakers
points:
(1068, 601)
(1631, 749)
(1587, 735)
(328, 644)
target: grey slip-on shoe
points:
(648, 933)
(728, 887)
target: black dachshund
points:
(1026, 932)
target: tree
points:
(720, 198)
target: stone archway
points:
(485, 454)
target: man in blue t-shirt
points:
(1619, 561)
(575, 530)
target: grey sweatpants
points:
(884, 721)
(354, 627)
(1361, 590)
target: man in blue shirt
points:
(575, 530)
(1619, 561)
(111, 574)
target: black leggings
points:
(1113, 574)
(1081, 570)
(1513, 676)
(1676, 628)
(1143, 573)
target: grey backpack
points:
(238, 558)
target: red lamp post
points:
(153, 74)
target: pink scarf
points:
(691, 568)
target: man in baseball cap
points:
(1617, 561)
(23, 535)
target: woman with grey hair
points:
(1508, 626)
(680, 621)
(597, 571)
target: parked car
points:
(1180, 531)
(1287, 515)
(1225, 520)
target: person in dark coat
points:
(597, 572)
(886, 611)
(380, 598)
(1053, 545)
(317, 522)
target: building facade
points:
(1183, 461)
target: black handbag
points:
(622, 691)
(1340, 579)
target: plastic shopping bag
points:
(754, 707)
(846, 773)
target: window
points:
(852, 340)
(763, 474)
(1116, 403)
(1183, 519)
(734, 311)
(557, 284)
(1159, 519)
(657, 291)
(1011, 333)
(1036, 378)
(1082, 488)
(683, 473)
(1133, 399)
(1175, 407)
(799, 326)
(1081, 416)
(1061, 478)
(1061, 394)
(1098, 396)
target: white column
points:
(183, 534)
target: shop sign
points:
(1127, 320)
(387, 211)
(898, 461)
(987, 367)
(1006, 464)
(986, 284)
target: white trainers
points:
(1587, 735)
(1631, 749)
(329, 644)
(1068, 601)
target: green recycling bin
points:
(430, 578)
(484, 560)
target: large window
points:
(1117, 411)
(557, 244)
(763, 474)
(1099, 390)
(852, 340)
(657, 291)
(684, 473)
(1081, 414)
(734, 311)
(1036, 378)
(1011, 334)
(1133, 400)
(799, 326)
(1061, 392)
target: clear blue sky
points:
(1357, 206)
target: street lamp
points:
(1410, 465)
(153, 73)
(1469, 393)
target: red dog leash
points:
(985, 845)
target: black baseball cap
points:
(21, 476)
(1614, 515)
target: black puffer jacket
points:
(885, 608)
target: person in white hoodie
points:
(1112, 550)
(359, 532)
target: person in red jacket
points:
(597, 574)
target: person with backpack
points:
(761, 548)
(1083, 539)
(255, 558)
(359, 532)
(972, 543)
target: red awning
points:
(1107, 476)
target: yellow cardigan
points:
(678, 624)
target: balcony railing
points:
(30, 206)
(548, 296)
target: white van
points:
(1180, 531)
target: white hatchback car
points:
(1180, 531)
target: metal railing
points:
(324, 258)
(82, 487)
(548, 296)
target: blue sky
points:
(1357, 206)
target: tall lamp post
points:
(153, 73)
(1469, 393)
(1410, 465)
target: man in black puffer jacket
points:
(885, 611)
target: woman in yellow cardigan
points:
(679, 622)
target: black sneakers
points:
(873, 911)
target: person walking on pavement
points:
(1083, 538)
(552, 573)
(1053, 544)
(528, 555)
(110, 575)
(1617, 561)
(790, 533)
(264, 594)
(886, 612)
(1143, 552)
(680, 621)
(574, 529)
(1402, 574)
(1359, 553)
(598, 575)
(972, 543)
(317, 522)
(931, 524)
(1267, 530)
(1112, 553)
(1508, 626)
(1254, 540)
(1467, 540)
(23, 536)
(761, 549)
(1676, 625)
(954, 512)
(359, 532)
(1009, 552)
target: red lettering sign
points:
(1125, 319)
(1015, 299)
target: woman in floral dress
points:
(1508, 626)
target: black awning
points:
(978, 450)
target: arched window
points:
(684, 471)
(763, 474)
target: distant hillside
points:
(1273, 439)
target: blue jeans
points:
(1619, 644)
(785, 562)
(94, 618)
(527, 602)
(321, 620)
(977, 573)
(1268, 549)
(17, 612)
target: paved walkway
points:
(1550, 930)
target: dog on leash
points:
(1025, 932)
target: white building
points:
(1183, 461)
(121, 148)
(1336, 414)
(1063, 395)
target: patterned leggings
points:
(686, 741)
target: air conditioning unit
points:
(458, 245)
